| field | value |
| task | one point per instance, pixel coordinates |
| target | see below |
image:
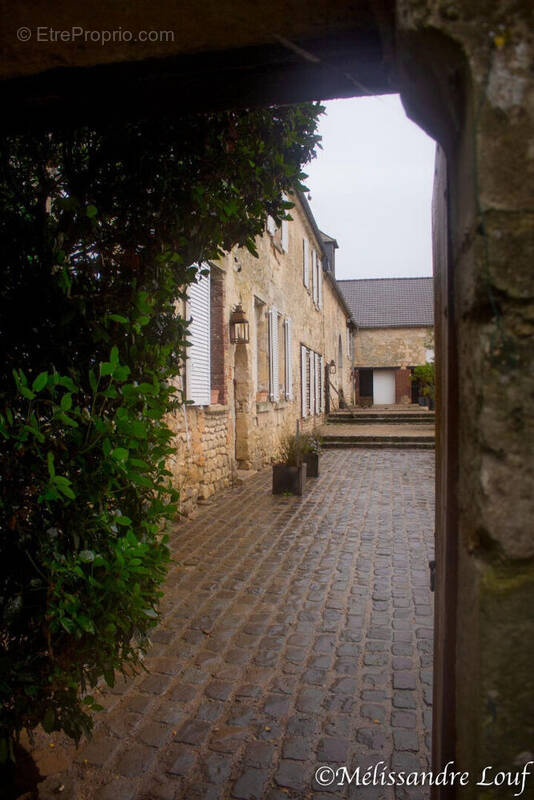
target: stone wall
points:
(245, 430)
(391, 347)
(203, 460)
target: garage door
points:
(383, 386)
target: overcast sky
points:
(371, 188)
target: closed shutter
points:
(319, 283)
(289, 361)
(321, 384)
(303, 379)
(198, 353)
(314, 276)
(273, 355)
(317, 375)
(312, 382)
(285, 235)
(285, 230)
(306, 262)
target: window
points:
(281, 357)
(198, 366)
(261, 366)
(311, 382)
(315, 285)
(288, 360)
(280, 236)
(274, 386)
(317, 278)
(306, 263)
(284, 230)
(217, 336)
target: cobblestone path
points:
(297, 632)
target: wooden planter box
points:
(288, 479)
(312, 465)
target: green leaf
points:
(119, 318)
(27, 393)
(120, 454)
(123, 521)
(40, 382)
(91, 211)
(86, 556)
(66, 402)
(114, 356)
(86, 624)
(106, 368)
(50, 460)
(68, 420)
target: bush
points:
(425, 374)
(98, 230)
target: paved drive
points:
(296, 633)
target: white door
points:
(383, 386)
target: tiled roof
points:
(390, 302)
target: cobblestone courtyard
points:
(296, 633)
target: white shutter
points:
(198, 353)
(303, 379)
(321, 384)
(273, 355)
(314, 276)
(285, 229)
(285, 235)
(271, 226)
(288, 360)
(317, 383)
(312, 382)
(306, 262)
(319, 283)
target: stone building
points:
(244, 397)
(394, 318)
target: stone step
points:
(377, 437)
(375, 444)
(355, 419)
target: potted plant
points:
(289, 470)
(312, 450)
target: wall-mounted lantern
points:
(239, 327)
(332, 367)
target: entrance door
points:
(383, 387)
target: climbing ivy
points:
(98, 229)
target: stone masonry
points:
(391, 347)
(296, 632)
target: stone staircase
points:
(386, 427)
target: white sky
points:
(371, 188)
